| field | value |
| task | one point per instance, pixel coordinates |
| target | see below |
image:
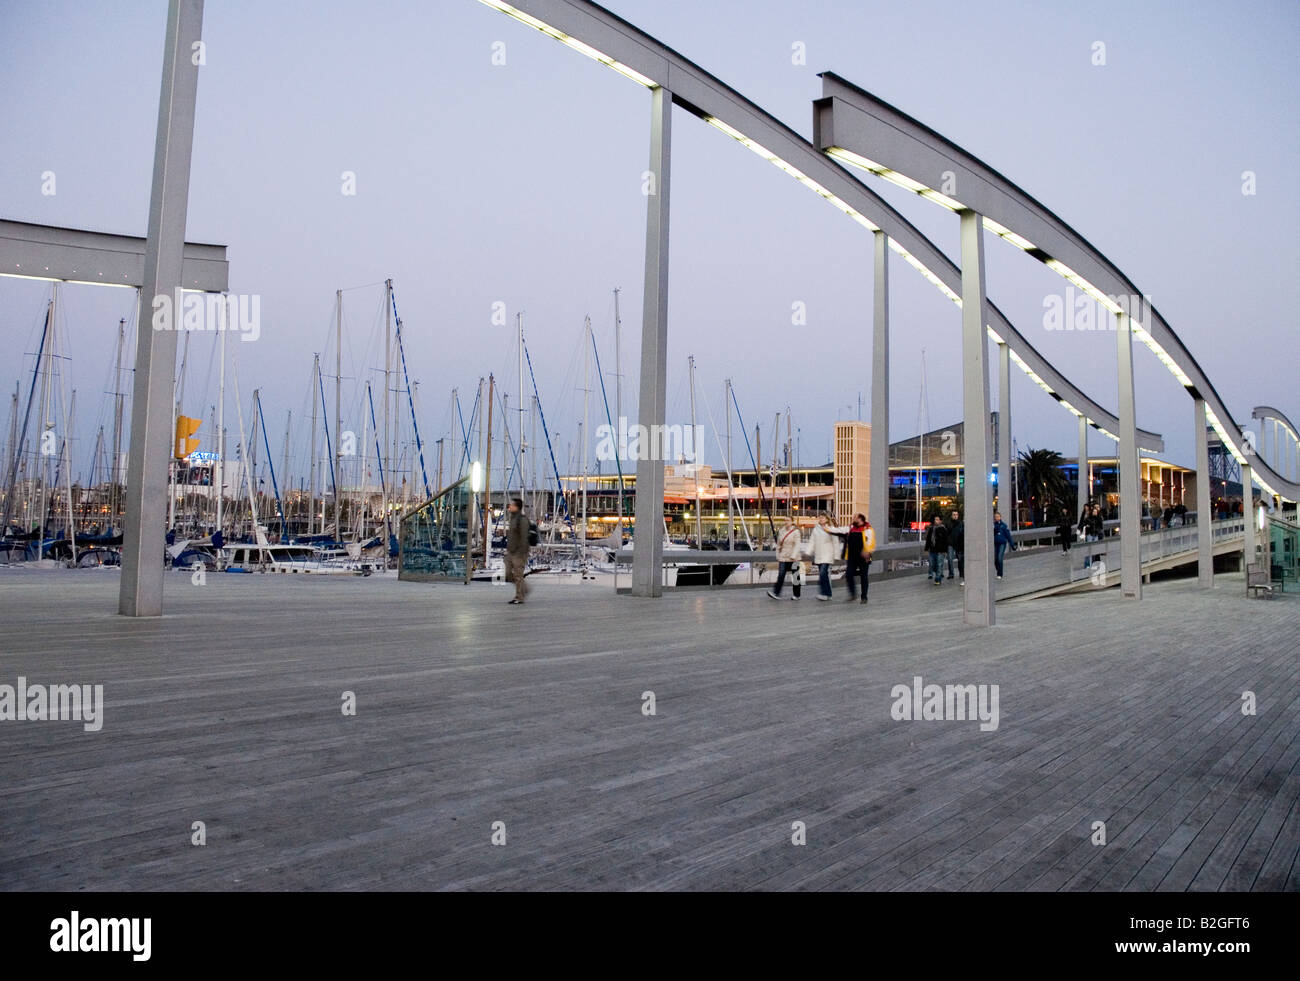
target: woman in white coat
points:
(823, 547)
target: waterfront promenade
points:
(227, 711)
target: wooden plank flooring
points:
(470, 711)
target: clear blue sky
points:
(521, 183)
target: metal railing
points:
(1038, 563)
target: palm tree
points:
(1042, 481)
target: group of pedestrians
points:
(854, 543)
(1172, 516)
(947, 540)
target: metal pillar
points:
(144, 535)
(1130, 476)
(1248, 512)
(1204, 519)
(1004, 426)
(1083, 484)
(978, 594)
(647, 556)
(878, 489)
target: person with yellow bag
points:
(859, 545)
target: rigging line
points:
(329, 449)
(731, 491)
(378, 452)
(550, 449)
(758, 479)
(508, 442)
(270, 462)
(464, 433)
(22, 436)
(473, 414)
(618, 463)
(415, 423)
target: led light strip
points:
(572, 42)
(902, 180)
(81, 282)
(793, 171)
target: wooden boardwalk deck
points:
(470, 711)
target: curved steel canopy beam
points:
(915, 156)
(599, 34)
(1262, 412)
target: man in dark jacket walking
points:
(1002, 540)
(859, 544)
(957, 545)
(517, 530)
(936, 543)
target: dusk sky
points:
(521, 183)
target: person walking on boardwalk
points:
(822, 545)
(859, 544)
(1090, 528)
(936, 543)
(957, 545)
(517, 532)
(1001, 539)
(1065, 529)
(788, 547)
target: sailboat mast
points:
(487, 475)
(618, 403)
(119, 397)
(248, 474)
(533, 481)
(388, 398)
(17, 450)
(505, 441)
(220, 481)
(257, 508)
(699, 528)
(789, 466)
(586, 421)
(284, 477)
(731, 497)
(311, 475)
(523, 447)
(11, 448)
(776, 458)
(68, 422)
(96, 458)
(338, 415)
(758, 479)
(363, 487)
(46, 423)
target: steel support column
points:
(1204, 519)
(1004, 428)
(144, 534)
(647, 557)
(1082, 486)
(978, 594)
(878, 490)
(1130, 475)
(1248, 512)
